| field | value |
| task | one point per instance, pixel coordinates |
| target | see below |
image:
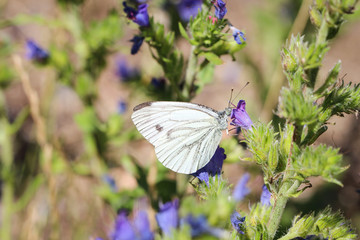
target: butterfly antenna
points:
(241, 90)
(232, 90)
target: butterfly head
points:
(228, 111)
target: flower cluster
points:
(140, 16)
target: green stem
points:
(323, 33)
(320, 39)
(7, 198)
(190, 73)
(276, 214)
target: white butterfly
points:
(185, 135)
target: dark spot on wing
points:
(142, 105)
(158, 127)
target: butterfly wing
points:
(185, 135)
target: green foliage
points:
(254, 222)
(342, 99)
(270, 149)
(318, 161)
(326, 224)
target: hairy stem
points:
(190, 73)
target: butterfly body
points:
(185, 135)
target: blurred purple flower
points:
(35, 52)
(188, 8)
(238, 35)
(265, 196)
(122, 107)
(309, 237)
(199, 226)
(237, 222)
(110, 182)
(213, 167)
(139, 229)
(168, 216)
(140, 16)
(241, 190)
(220, 9)
(240, 117)
(158, 83)
(124, 71)
(137, 42)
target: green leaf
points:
(212, 57)
(319, 161)
(183, 32)
(325, 225)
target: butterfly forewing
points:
(185, 135)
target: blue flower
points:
(220, 9)
(35, 52)
(237, 222)
(265, 196)
(308, 237)
(238, 35)
(168, 216)
(200, 226)
(125, 72)
(188, 8)
(158, 83)
(140, 16)
(139, 229)
(121, 107)
(240, 117)
(137, 42)
(142, 226)
(241, 190)
(110, 181)
(213, 167)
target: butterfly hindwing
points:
(185, 135)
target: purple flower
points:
(241, 190)
(265, 196)
(139, 229)
(199, 226)
(110, 182)
(238, 35)
(125, 72)
(35, 52)
(309, 237)
(140, 16)
(237, 222)
(137, 42)
(121, 107)
(213, 167)
(188, 8)
(220, 9)
(240, 117)
(168, 216)
(158, 83)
